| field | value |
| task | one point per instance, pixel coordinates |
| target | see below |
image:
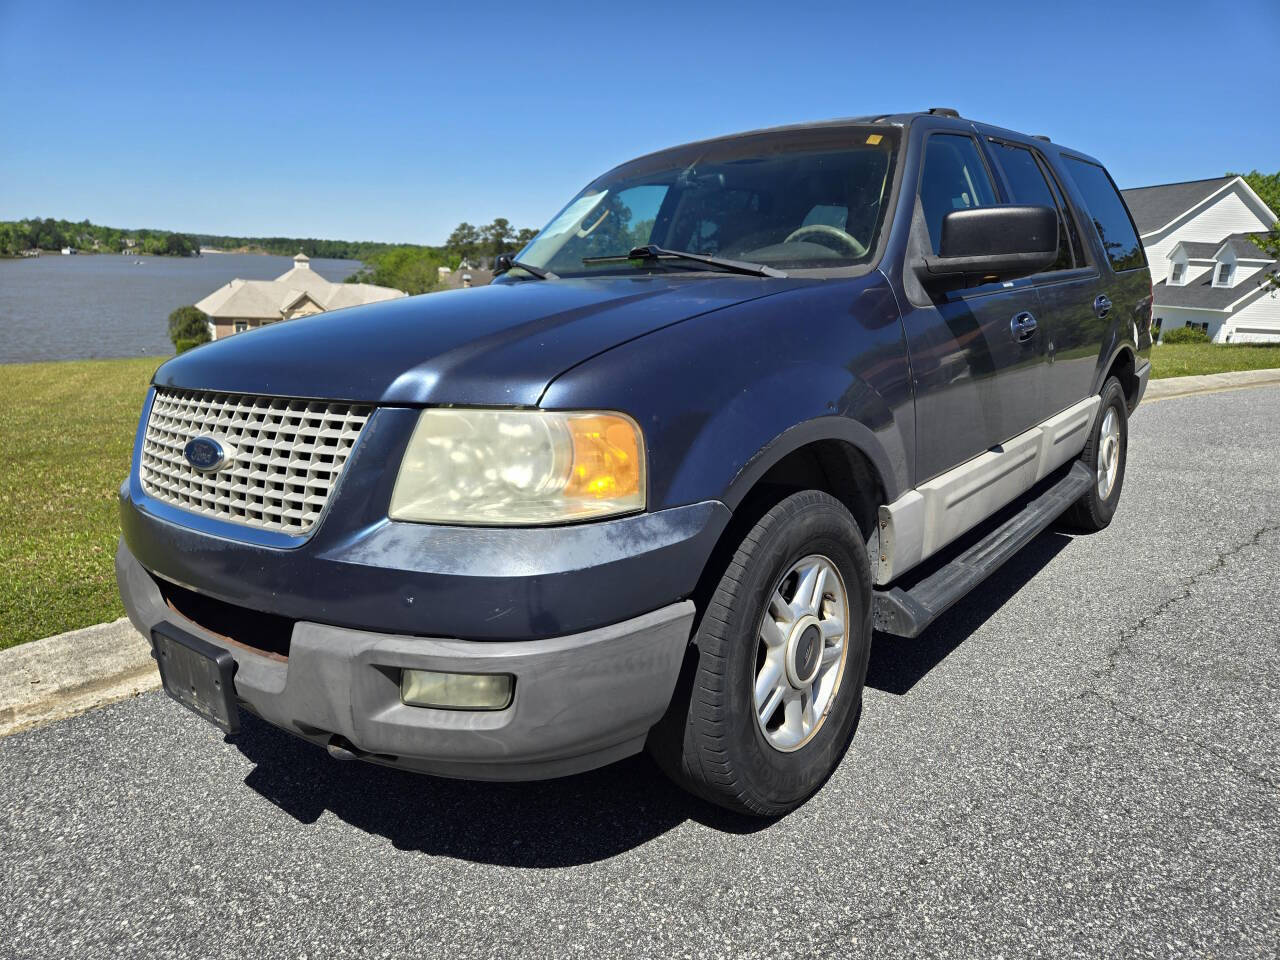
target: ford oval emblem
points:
(204, 454)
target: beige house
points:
(246, 304)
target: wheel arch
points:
(829, 454)
(1124, 367)
(836, 455)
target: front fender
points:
(832, 427)
(785, 411)
(724, 396)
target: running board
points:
(906, 613)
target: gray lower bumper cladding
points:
(580, 701)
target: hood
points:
(495, 345)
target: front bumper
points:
(581, 700)
(476, 583)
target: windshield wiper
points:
(505, 263)
(654, 252)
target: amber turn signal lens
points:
(606, 458)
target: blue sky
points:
(396, 122)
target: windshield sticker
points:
(874, 138)
(573, 214)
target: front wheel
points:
(1105, 455)
(781, 658)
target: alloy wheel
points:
(801, 652)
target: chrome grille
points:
(285, 455)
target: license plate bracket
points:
(198, 674)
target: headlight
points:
(518, 467)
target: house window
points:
(1179, 271)
(1224, 275)
(241, 326)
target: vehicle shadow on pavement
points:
(572, 820)
(898, 664)
(549, 823)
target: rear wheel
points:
(1105, 455)
(779, 663)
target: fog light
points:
(456, 691)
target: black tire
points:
(710, 741)
(1093, 512)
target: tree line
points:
(476, 245)
(416, 269)
(49, 234)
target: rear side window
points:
(954, 178)
(1029, 186)
(1110, 216)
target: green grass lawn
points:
(1187, 359)
(66, 434)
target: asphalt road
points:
(1083, 759)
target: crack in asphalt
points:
(1184, 592)
(1127, 635)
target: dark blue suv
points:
(740, 403)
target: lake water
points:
(105, 305)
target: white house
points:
(301, 292)
(1207, 271)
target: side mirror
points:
(993, 243)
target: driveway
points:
(1082, 759)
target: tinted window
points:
(1064, 210)
(954, 178)
(1029, 186)
(1109, 214)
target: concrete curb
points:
(1209, 383)
(58, 677)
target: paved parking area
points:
(1083, 759)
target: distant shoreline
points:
(210, 251)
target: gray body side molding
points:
(924, 520)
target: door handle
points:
(1102, 305)
(1022, 326)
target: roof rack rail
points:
(945, 112)
(1041, 136)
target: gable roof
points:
(1242, 245)
(1154, 207)
(1197, 249)
(1205, 296)
(250, 300)
(272, 299)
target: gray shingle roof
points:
(1202, 292)
(1198, 250)
(1242, 245)
(1153, 207)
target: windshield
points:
(791, 199)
